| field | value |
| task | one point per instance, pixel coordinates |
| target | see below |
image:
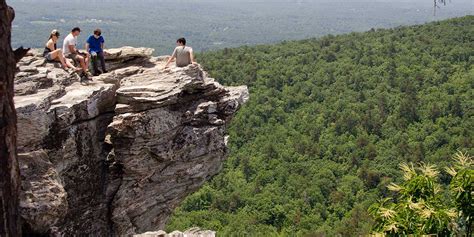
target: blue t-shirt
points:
(94, 44)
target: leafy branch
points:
(420, 206)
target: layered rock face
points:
(113, 157)
(193, 232)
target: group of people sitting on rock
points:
(95, 52)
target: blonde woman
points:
(53, 54)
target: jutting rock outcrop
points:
(193, 232)
(115, 155)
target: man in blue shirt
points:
(95, 47)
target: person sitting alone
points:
(53, 54)
(182, 53)
(95, 47)
(70, 51)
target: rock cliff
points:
(116, 155)
(193, 232)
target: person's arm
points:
(171, 58)
(191, 54)
(50, 45)
(72, 48)
(87, 47)
(102, 42)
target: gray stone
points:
(180, 115)
(26, 88)
(43, 198)
(27, 60)
(41, 80)
(28, 69)
(192, 232)
(23, 74)
(126, 52)
(35, 52)
(123, 149)
(43, 70)
(159, 233)
(39, 62)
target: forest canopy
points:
(328, 123)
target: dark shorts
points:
(49, 57)
(73, 56)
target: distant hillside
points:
(328, 122)
(214, 24)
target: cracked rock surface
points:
(115, 156)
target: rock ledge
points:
(116, 155)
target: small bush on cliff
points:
(421, 207)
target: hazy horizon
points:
(213, 24)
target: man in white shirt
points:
(182, 53)
(70, 50)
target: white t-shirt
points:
(182, 55)
(69, 40)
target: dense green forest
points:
(329, 122)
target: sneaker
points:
(84, 77)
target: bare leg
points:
(69, 64)
(63, 60)
(66, 62)
(87, 60)
(58, 56)
(82, 61)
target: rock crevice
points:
(115, 156)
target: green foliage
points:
(462, 190)
(422, 208)
(329, 121)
